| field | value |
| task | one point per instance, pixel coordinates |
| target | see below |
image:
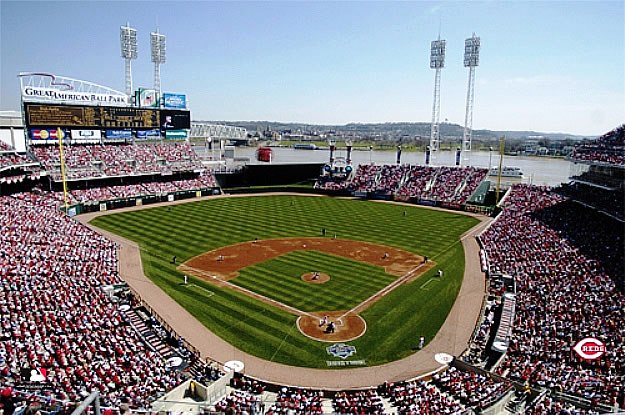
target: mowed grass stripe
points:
(187, 230)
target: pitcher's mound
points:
(315, 277)
(346, 328)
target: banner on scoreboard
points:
(176, 134)
(86, 136)
(46, 134)
(118, 134)
(148, 134)
(147, 98)
(178, 101)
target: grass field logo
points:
(590, 348)
(341, 350)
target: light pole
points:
(437, 62)
(471, 61)
(490, 155)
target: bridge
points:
(218, 132)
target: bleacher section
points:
(607, 149)
(599, 177)
(98, 161)
(566, 259)
(451, 185)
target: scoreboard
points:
(46, 115)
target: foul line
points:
(383, 291)
(426, 283)
(249, 293)
(210, 293)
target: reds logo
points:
(590, 348)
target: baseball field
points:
(264, 271)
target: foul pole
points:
(59, 134)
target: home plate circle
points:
(234, 366)
(443, 358)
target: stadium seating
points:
(10, 158)
(297, 400)
(562, 265)
(471, 388)
(55, 316)
(442, 184)
(607, 149)
(418, 397)
(91, 161)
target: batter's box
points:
(208, 292)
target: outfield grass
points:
(350, 282)
(394, 323)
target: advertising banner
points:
(33, 93)
(178, 101)
(175, 120)
(148, 98)
(148, 134)
(176, 134)
(46, 134)
(86, 135)
(118, 134)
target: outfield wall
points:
(270, 175)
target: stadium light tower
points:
(471, 61)
(437, 62)
(157, 43)
(128, 40)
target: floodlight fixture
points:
(158, 48)
(437, 54)
(472, 51)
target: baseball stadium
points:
(140, 273)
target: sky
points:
(549, 66)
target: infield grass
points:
(350, 282)
(394, 323)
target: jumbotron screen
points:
(47, 115)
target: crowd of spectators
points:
(365, 178)
(55, 319)
(565, 258)
(238, 402)
(476, 353)
(12, 159)
(549, 406)
(445, 184)
(89, 161)
(608, 149)
(358, 402)
(472, 388)
(418, 397)
(297, 401)
(105, 193)
(453, 184)
(418, 181)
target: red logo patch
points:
(590, 348)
